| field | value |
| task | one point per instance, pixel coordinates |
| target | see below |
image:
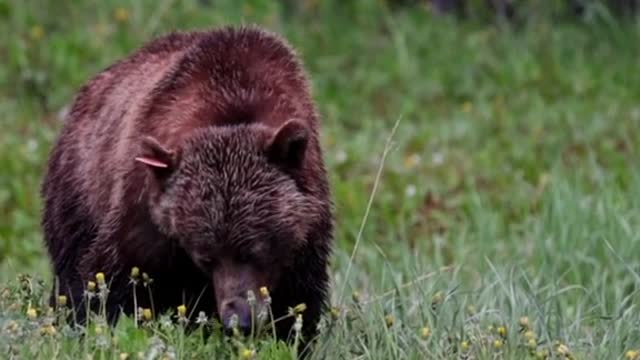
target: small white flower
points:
(412, 161)
(202, 318)
(32, 145)
(297, 327)
(233, 321)
(410, 191)
(251, 298)
(437, 158)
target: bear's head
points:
(231, 197)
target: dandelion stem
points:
(253, 321)
(153, 309)
(135, 304)
(273, 324)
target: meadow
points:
(485, 178)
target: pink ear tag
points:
(152, 162)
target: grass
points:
(510, 189)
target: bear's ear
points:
(288, 144)
(156, 157)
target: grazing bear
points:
(197, 160)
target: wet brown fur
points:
(217, 98)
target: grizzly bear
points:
(196, 159)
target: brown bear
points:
(197, 160)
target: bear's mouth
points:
(238, 297)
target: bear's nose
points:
(236, 312)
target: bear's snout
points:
(234, 284)
(239, 309)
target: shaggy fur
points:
(229, 175)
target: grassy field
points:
(503, 223)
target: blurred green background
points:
(516, 154)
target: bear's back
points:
(94, 135)
(167, 89)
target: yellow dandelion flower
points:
(502, 331)
(91, 286)
(36, 33)
(32, 313)
(146, 314)
(542, 354)
(62, 300)
(437, 298)
(471, 310)
(264, 292)
(48, 330)
(464, 346)
(12, 325)
(100, 278)
(529, 334)
(248, 354)
(563, 350)
(135, 272)
(411, 161)
(335, 313)
(121, 14)
(425, 332)
(356, 297)
(498, 344)
(300, 308)
(182, 310)
(632, 355)
(389, 320)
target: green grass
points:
(511, 187)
